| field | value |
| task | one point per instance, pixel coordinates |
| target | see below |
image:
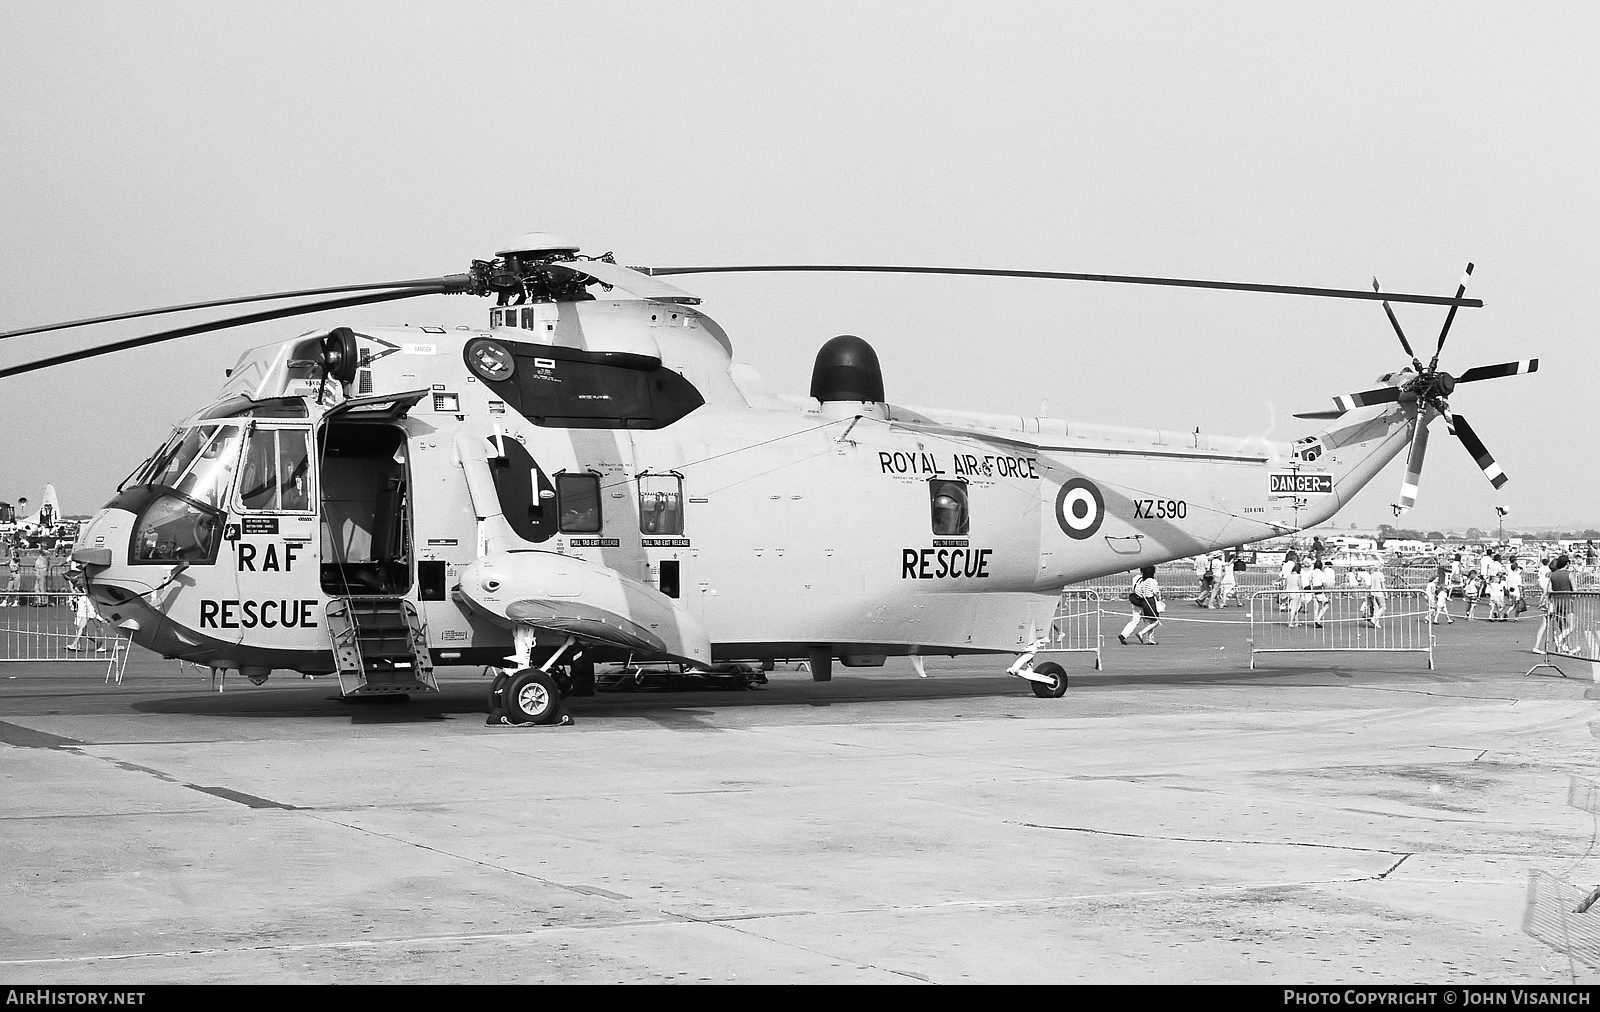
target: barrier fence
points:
(1569, 627)
(1394, 621)
(1076, 625)
(45, 627)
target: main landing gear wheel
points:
(531, 697)
(1058, 681)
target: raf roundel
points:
(1079, 508)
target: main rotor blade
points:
(1419, 447)
(1367, 398)
(202, 328)
(1121, 279)
(1483, 372)
(1480, 453)
(1395, 323)
(413, 283)
(1449, 318)
(628, 279)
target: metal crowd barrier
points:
(1076, 625)
(1349, 623)
(1570, 627)
(43, 628)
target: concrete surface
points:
(1173, 818)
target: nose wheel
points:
(1054, 683)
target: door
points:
(274, 553)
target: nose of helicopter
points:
(102, 549)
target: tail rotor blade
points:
(1395, 323)
(1450, 318)
(1367, 398)
(1480, 453)
(1419, 447)
(1483, 372)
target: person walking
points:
(1146, 600)
(13, 595)
(1377, 597)
(1473, 591)
(86, 618)
(1230, 581)
(1319, 593)
(1219, 573)
(1544, 606)
(1292, 590)
(1560, 597)
(41, 574)
(1497, 598)
(1439, 597)
(1514, 602)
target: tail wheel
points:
(531, 697)
(1057, 686)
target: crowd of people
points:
(88, 626)
(1305, 585)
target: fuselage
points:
(621, 433)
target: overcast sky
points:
(165, 153)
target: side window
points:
(276, 471)
(578, 498)
(949, 503)
(660, 504)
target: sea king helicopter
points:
(592, 479)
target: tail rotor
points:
(1429, 387)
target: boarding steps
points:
(380, 646)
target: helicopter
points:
(592, 479)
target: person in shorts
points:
(13, 594)
(1377, 596)
(1320, 579)
(1145, 596)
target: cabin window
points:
(578, 496)
(948, 500)
(277, 471)
(660, 504)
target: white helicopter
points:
(593, 479)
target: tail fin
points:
(47, 513)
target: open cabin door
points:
(380, 644)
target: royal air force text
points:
(962, 465)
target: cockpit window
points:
(199, 462)
(949, 503)
(276, 471)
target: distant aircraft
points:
(40, 521)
